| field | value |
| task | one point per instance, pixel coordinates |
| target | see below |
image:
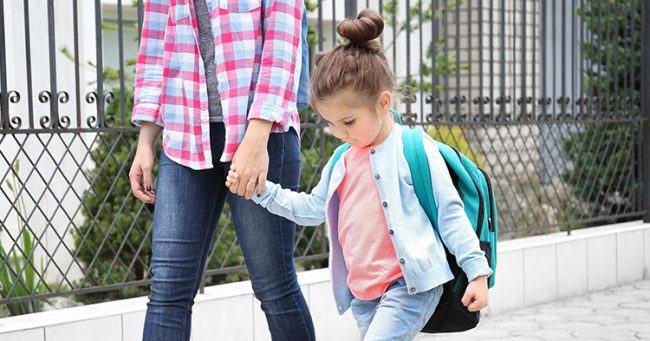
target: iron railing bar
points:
(502, 61)
(77, 80)
(28, 65)
(54, 94)
(4, 91)
(99, 55)
(120, 44)
(491, 38)
(421, 41)
(408, 57)
(458, 56)
(534, 65)
(334, 23)
(645, 106)
(470, 51)
(524, 102)
(480, 59)
(574, 55)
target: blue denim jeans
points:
(186, 215)
(396, 315)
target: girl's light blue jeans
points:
(396, 315)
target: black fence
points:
(545, 95)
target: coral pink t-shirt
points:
(363, 233)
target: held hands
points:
(251, 161)
(476, 294)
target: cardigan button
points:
(391, 231)
(402, 261)
(377, 176)
(385, 204)
(372, 151)
(412, 290)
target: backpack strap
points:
(420, 172)
(337, 155)
(396, 116)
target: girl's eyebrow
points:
(343, 119)
(346, 118)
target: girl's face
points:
(355, 121)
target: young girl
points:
(387, 263)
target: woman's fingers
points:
(261, 183)
(250, 186)
(142, 184)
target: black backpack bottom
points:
(450, 314)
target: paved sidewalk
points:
(621, 313)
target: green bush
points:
(603, 154)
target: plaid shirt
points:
(260, 72)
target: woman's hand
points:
(140, 174)
(476, 294)
(252, 159)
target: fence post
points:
(645, 107)
(351, 9)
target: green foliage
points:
(18, 276)
(600, 169)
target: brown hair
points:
(359, 65)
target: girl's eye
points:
(349, 123)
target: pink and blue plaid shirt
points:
(258, 71)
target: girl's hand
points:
(476, 294)
(232, 180)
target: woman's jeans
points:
(188, 206)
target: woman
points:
(223, 81)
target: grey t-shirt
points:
(206, 45)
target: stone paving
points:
(621, 313)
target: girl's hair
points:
(359, 65)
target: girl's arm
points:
(455, 228)
(300, 207)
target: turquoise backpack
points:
(474, 188)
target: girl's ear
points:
(384, 101)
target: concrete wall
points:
(530, 271)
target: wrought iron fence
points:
(545, 95)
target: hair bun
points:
(367, 26)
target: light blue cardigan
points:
(419, 250)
